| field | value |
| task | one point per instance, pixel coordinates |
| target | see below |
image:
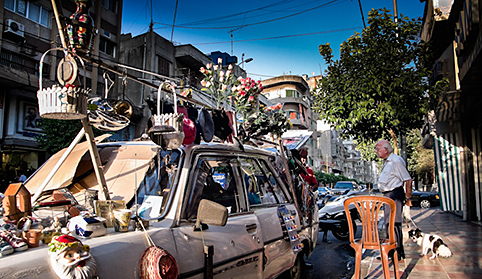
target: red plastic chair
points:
(368, 208)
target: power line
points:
(256, 23)
(282, 37)
(211, 20)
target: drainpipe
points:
(143, 68)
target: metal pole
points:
(395, 11)
(57, 166)
(94, 154)
(60, 26)
(208, 261)
(288, 177)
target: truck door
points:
(238, 245)
(266, 198)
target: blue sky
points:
(272, 32)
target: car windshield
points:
(344, 185)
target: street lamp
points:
(244, 61)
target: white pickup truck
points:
(257, 232)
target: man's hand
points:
(408, 189)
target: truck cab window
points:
(214, 179)
(260, 185)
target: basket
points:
(63, 102)
(157, 263)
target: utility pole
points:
(231, 42)
(395, 11)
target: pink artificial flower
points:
(242, 93)
(203, 83)
(251, 98)
(202, 70)
(240, 78)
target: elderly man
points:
(393, 178)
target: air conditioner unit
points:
(11, 26)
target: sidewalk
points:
(463, 238)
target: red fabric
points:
(183, 110)
(189, 131)
(310, 178)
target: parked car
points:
(323, 191)
(344, 187)
(425, 199)
(227, 197)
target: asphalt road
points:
(331, 260)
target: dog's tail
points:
(444, 251)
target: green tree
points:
(59, 134)
(378, 88)
(327, 179)
(421, 161)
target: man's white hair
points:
(386, 144)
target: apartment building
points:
(293, 92)
(453, 129)
(29, 30)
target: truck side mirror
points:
(211, 213)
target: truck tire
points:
(295, 271)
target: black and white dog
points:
(430, 242)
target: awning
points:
(296, 139)
(63, 177)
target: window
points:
(214, 178)
(260, 184)
(21, 7)
(293, 114)
(107, 46)
(15, 61)
(110, 5)
(10, 4)
(30, 10)
(164, 65)
(34, 12)
(292, 93)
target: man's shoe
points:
(308, 265)
(17, 243)
(5, 248)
